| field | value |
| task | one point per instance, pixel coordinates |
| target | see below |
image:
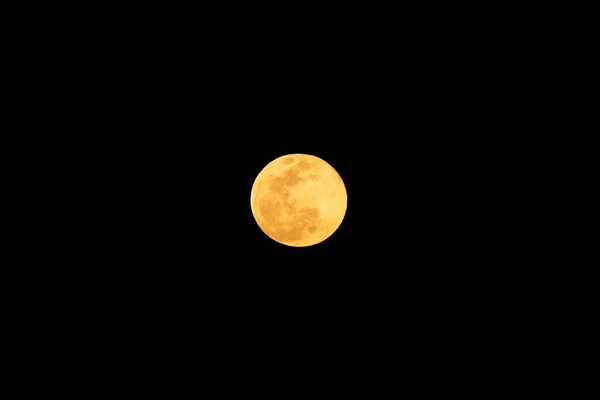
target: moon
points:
(298, 200)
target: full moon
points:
(298, 200)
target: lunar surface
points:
(298, 200)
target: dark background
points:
(161, 127)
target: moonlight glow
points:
(298, 200)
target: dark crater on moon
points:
(303, 221)
(286, 222)
(290, 178)
(304, 165)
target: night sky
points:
(175, 144)
(157, 220)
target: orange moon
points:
(298, 200)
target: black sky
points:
(171, 123)
(184, 118)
